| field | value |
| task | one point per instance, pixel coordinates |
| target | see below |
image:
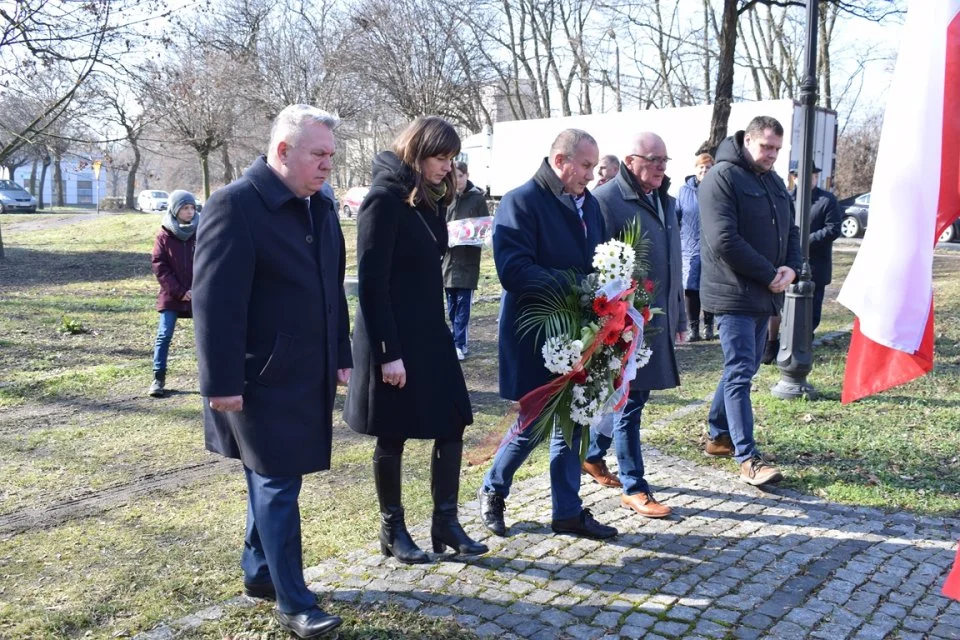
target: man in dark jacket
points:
(750, 254)
(639, 191)
(461, 265)
(272, 344)
(825, 219)
(542, 230)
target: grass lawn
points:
(76, 425)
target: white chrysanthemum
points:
(560, 354)
(613, 260)
(643, 355)
(627, 336)
(614, 364)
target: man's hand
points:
(394, 373)
(227, 403)
(343, 376)
(783, 279)
(682, 337)
(188, 296)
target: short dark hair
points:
(461, 166)
(761, 123)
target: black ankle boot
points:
(708, 328)
(445, 486)
(395, 540)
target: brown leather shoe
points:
(646, 505)
(599, 472)
(722, 447)
(757, 471)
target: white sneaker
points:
(460, 355)
(465, 351)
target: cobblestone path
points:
(731, 562)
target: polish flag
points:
(915, 197)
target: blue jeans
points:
(168, 321)
(458, 309)
(272, 549)
(742, 339)
(626, 441)
(564, 469)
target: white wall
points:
(72, 173)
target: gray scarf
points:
(182, 231)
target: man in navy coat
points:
(825, 219)
(547, 227)
(272, 344)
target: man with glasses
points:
(639, 192)
(750, 254)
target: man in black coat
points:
(546, 227)
(272, 344)
(750, 254)
(825, 219)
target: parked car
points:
(13, 197)
(153, 201)
(855, 221)
(352, 200)
(855, 217)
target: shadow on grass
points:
(27, 267)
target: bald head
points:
(648, 160)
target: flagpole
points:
(795, 358)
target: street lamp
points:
(795, 358)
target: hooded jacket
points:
(747, 233)
(401, 316)
(688, 210)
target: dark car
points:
(855, 221)
(855, 217)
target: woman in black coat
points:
(407, 382)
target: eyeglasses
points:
(663, 160)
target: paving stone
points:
(680, 612)
(917, 624)
(583, 632)
(784, 630)
(488, 630)
(945, 631)
(557, 618)
(806, 618)
(640, 621)
(671, 629)
(709, 629)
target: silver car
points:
(152, 200)
(13, 198)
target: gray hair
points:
(569, 140)
(610, 159)
(290, 122)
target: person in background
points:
(607, 169)
(639, 193)
(750, 251)
(461, 265)
(825, 219)
(542, 229)
(688, 210)
(273, 342)
(408, 383)
(172, 263)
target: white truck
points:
(508, 155)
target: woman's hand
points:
(394, 373)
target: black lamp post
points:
(795, 358)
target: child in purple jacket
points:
(172, 261)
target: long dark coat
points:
(401, 316)
(825, 219)
(172, 263)
(461, 265)
(271, 322)
(620, 203)
(688, 210)
(537, 236)
(748, 231)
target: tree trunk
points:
(33, 178)
(130, 197)
(1, 246)
(205, 172)
(43, 181)
(706, 49)
(724, 96)
(227, 165)
(59, 195)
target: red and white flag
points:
(915, 197)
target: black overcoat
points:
(401, 316)
(537, 237)
(620, 203)
(461, 265)
(271, 322)
(825, 219)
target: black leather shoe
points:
(309, 623)
(491, 511)
(584, 525)
(264, 590)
